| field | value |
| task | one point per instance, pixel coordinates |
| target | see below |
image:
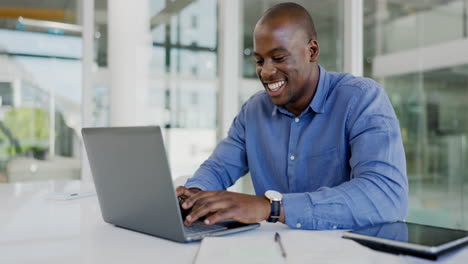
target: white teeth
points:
(275, 86)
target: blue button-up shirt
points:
(339, 164)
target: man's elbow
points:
(397, 207)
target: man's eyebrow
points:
(271, 51)
(277, 49)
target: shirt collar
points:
(318, 102)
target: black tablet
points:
(410, 238)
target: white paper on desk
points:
(321, 247)
(258, 249)
(300, 246)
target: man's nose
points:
(268, 70)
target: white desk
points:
(34, 229)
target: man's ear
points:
(314, 50)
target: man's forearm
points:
(359, 202)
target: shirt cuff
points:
(195, 183)
(297, 210)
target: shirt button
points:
(297, 119)
(298, 225)
(292, 157)
(334, 227)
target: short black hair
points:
(296, 13)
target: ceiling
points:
(52, 10)
(43, 4)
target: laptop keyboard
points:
(200, 227)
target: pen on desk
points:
(278, 239)
(80, 195)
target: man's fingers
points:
(207, 201)
(181, 190)
(219, 216)
(206, 206)
(217, 206)
(184, 192)
(192, 199)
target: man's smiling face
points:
(283, 58)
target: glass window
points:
(418, 23)
(183, 87)
(40, 93)
(6, 94)
(193, 62)
(430, 99)
(100, 74)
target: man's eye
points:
(259, 61)
(279, 58)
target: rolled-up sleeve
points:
(228, 161)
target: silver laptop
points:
(134, 184)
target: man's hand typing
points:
(217, 206)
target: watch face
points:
(274, 195)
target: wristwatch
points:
(275, 200)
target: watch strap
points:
(275, 211)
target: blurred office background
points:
(186, 65)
